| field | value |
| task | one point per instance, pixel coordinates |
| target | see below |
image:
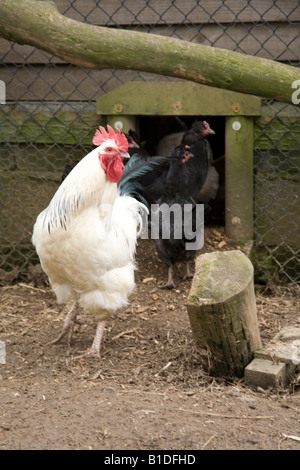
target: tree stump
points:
(222, 311)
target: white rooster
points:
(86, 237)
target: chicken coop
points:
(52, 108)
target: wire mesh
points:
(50, 116)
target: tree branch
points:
(38, 23)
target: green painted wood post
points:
(239, 178)
(122, 122)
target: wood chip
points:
(209, 440)
(123, 333)
(148, 279)
(216, 233)
(142, 309)
(27, 286)
(294, 438)
(164, 368)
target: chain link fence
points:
(50, 116)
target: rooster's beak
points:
(124, 155)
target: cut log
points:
(222, 311)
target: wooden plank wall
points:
(259, 27)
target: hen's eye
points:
(109, 149)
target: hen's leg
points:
(188, 273)
(94, 351)
(170, 283)
(69, 323)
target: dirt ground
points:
(149, 390)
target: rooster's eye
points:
(109, 149)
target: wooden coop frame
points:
(122, 106)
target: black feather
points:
(141, 173)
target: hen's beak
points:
(210, 131)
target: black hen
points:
(199, 131)
(179, 228)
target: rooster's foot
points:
(68, 325)
(89, 353)
(94, 351)
(66, 331)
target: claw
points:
(69, 323)
(89, 353)
(168, 285)
(94, 351)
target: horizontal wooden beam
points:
(75, 122)
(180, 98)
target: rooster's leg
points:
(94, 351)
(170, 283)
(68, 324)
(188, 273)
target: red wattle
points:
(113, 168)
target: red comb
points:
(102, 135)
(206, 124)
